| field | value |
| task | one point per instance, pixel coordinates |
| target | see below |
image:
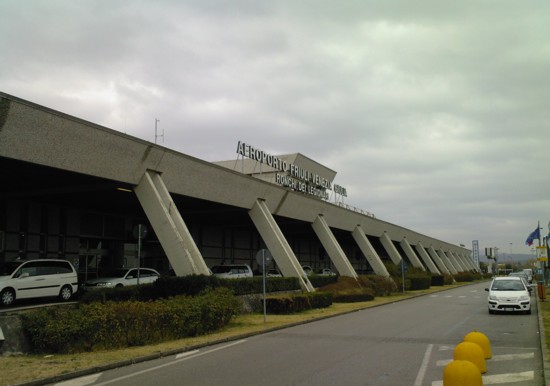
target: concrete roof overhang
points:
(35, 139)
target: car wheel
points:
(491, 311)
(119, 286)
(7, 297)
(66, 293)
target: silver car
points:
(123, 277)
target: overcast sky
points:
(434, 114)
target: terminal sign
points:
(294, 176)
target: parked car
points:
(123, 277)
(307, 270)
(508, 293)
(273, 273)
(324, 272)
(529, 273)
(37, 278)
(523, 276)
(232, 271)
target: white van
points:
(232, 271)
(37, 278)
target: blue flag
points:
(534, 235)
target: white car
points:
(37, 278)
(324, 272)
(508, 293)
(273, 273)
(232, 271)
(123, 277)
(307, 270)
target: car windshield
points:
(9, 267)
(508, 285)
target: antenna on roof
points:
(158, 135)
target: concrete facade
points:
(76, 190)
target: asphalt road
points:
(404, 343)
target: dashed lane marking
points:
(82, 381)
(186, 354)
(495, 358)
(499, 379)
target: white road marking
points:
(170, 363)
(512, 357)
(508, 378)
(424, 366)
(186, 354)
(501, 378)
(82, 381)
(495, 358)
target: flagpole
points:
(540, 237)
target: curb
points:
(542, 336)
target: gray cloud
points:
(433, 114)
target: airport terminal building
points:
(75, 190)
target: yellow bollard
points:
(482, 341)
(461, 373)
(469, 351)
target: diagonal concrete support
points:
(448, 262)
(180, 248)
(410, 254)
(459, 265)
(277, 244)
(427, 259)
(440, 265)
(370, 253)
(390, 248)
(335, 252)
(468, 262)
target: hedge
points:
(380, 285)
(254, 285)
(112, 325)
(166, 287)
(438, 280)
(322, 280)
(289, 304)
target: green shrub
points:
(380, 285)
(348, 290)
(399, 283)
(353, 297)
(465, 277)
(254, 285)
(120, 324)
(419, 281)
(165, 287)
(289, 304)
(438, 280)
(318, 281)
(119, 294)
(191, 285)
